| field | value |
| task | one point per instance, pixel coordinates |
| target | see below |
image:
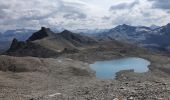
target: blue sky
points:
(82, 14)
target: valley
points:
(84, 49)
(50, 66)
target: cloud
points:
(140, 13)
(49, 13)
(162, 4)
(75, 16)
(19, 13)
(72, 10)
(79, 14)
(124, 5)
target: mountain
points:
(90, 31)
(153, 38)
(127, 33)
(44, 32)
(153, 27)
(160, 37)
(45, 43)
(76, 39)
(20, 34)
(7, 37)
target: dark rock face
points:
(16, 45)
(44, 32)
(28, 48)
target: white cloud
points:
(72, 14)
(141, 14)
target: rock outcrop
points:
(44, 32)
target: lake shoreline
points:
(108, 68)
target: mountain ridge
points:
(148, 37)
(141, 35)
(45, 43)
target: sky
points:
(82, 14)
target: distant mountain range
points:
(9, 35)
(20, 34)
(153, 37)
(90, 31)
(154, 27)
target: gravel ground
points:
(68, 78)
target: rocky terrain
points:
(63, 72)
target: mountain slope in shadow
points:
(46, 43)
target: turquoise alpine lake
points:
(108, 69)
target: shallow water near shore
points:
(108, 69)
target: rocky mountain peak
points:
(15, 45)
(66, 32)
(69, 35)
(15, 40)
(168, 25)
(153, 27)
(44, 29)
(44, 32)
(125, 27)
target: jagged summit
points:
(76, 39)
(14, 40)
(44, 32)
(168, 24)
(153, 27)
(124, 27)
(16, 45)
(66, 31)
(164, 29)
